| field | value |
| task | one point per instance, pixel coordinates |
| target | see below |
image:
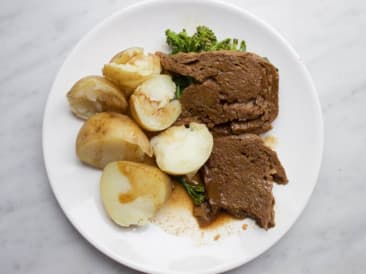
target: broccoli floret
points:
(178, 42)
(204, 39)
(224, 44)
(230, 44)
(243, 46)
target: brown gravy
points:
(222, 219)
(180, 199)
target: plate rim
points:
(230, 6)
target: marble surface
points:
(35, 38)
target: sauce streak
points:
(141, 184)
(180, 199)
(135, 190)
(126, 197)
(222, 219)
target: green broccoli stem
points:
(196, 192)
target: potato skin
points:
(93, 94)
(132, 193)
(126, 69)
(126, 55)
(108, 137)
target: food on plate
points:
(93, 94)
(133, 192)
(108, 137)
(203, 116)
(127, 54)
(130, 68)
(153, 105)
(239, 176)
(232, 92)
(194, 187)
(182, 149)
(204, 39)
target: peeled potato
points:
(181, 150)
(93, 94)
(108, 137)
(130, 68)
(133, 192)
(152, 104)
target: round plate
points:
(298, 129)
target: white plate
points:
(298, 128)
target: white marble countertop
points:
(36, 36)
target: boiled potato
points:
(124, 56)
(130, 68)
(133, 192)
(152, 104)
(182, 150)
(93, 94)
(108, 137)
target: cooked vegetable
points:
(152, 104)
(181, 150)
(108, 137)
(126, 55)
(93, 94)
(203, 40)
(181, 83)
(196, 192)
(130, 68)
(133, 192)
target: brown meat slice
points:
(237, 91)
(239, 176)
